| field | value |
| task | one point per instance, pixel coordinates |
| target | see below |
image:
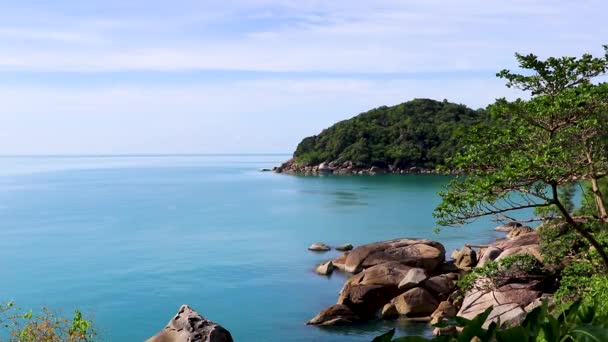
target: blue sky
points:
(244, 76)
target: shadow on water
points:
(403, 327)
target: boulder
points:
(415, 303)
(507, 226)
(389, 311)
(490, 254)
(522, 240)
(448, 267)
(506, 302)
(533, 250)
(344, 248)
(319, 247)
(443, 311)
(388, 274)
(336, 314)
(420, 253)
(368, 291)
(413, 277)
(517, 231)
(374, 170)
(366, 300)
(324, 168)
(189, 326)
(340, 261)
(466, 258)
(442, 285)
(325, 268)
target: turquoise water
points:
(129, 239)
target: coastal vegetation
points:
(418, 133)
(577, 323)
(540, 153)
(44, 325)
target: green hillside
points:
(421, 133)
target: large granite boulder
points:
(413, 277)
(465, 258)
(515, 232)
(522, 240)
(533, 250)
(508, 303)
(442, 285)
(444, 310)
(489, 254)
(422, 253)
(368, 291)
(336, 314)
(415, 303)
(189, 326)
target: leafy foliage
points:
(531, 152)
(420, 132)
(577, 323)
(44, 326)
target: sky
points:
(255, 76)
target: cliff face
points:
(421, 133)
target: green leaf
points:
(386, 337)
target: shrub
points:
(44, 326)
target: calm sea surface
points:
(129, 239)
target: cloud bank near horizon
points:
(254, 75)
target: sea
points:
(128, 239)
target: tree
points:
(531, 151)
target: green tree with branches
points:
(533, 150)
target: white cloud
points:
(303, 36)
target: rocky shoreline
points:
(412, 279)
(406, 278)
(347, 168)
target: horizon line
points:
(143, 155)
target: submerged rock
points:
(344, 248)
(319, 247)
(189, 326)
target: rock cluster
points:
(345, 168)
(189, 326)
(410, 278)
(400, 277)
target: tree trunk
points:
(579, 227)
(599, 199)
(597, 194)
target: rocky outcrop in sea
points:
(412, 279)
(346, 168)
